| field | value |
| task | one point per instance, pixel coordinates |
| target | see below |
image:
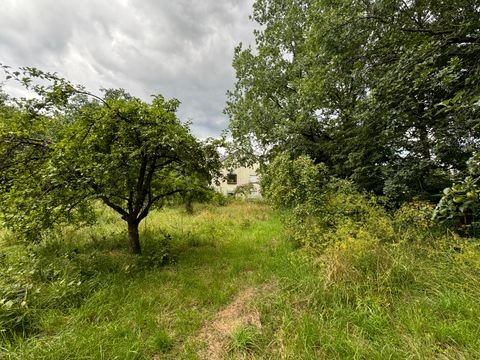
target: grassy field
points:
(226, 283)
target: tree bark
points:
(424, 143)
(188, 204)
(134, 238)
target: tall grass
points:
(361, 297)
(377, 301)
(97, 301)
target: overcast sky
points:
(178, 48)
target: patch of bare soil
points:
(239, 313)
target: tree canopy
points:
(66, 148)
(385, 92)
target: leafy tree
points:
(288, 183)
(384, 92)
(66, 148)
(460, 203)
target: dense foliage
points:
(66, 148)
(384, 92)
(460, 203)
(321, 210)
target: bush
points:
(321, 209)
(157, 251)
(218, 199)
(413, 220)
(243, 191)
(291, 183)
(344, 215)
(459, 207)
(33, 282)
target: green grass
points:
(134, 309)
(87, 298)
(243, 340)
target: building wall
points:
(245, 175)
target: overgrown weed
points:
(412, 294)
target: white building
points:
(233, 178)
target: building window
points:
(253, 179)
(232, 179)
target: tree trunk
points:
(134, 238)
(189, 204)
(424, 142)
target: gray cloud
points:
(179, 48)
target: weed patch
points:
(226, 282)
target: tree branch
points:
(11, 138)
(153, 200)
(114, 206)
(140, 185)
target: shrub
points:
(413, 220)
(322, 209)
(218, 199)
(244, 190)
(291, 183)
(459, 206)
(345, 214)
(158, 254)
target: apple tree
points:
(65, 148)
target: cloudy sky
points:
(179, 48)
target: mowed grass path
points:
(158, 312)
(358, 300)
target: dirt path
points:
(239, 313)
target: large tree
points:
(385, 92)
(66, 148)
